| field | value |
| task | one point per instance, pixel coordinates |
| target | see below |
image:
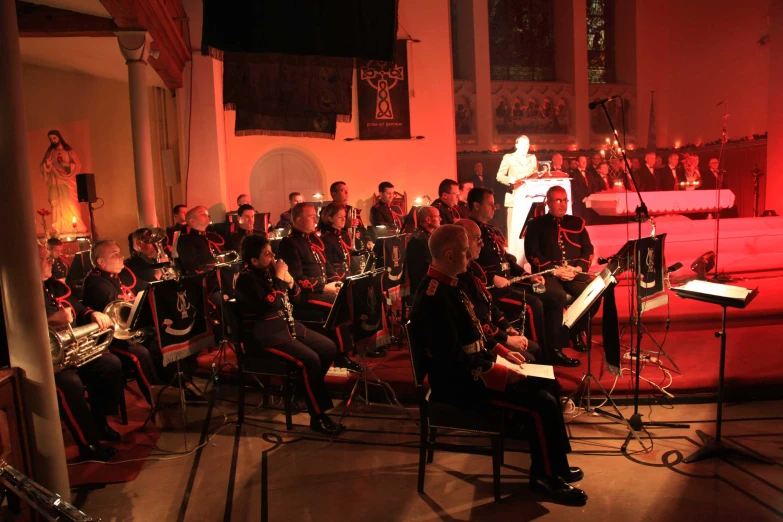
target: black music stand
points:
(582, 305)
(725, 296)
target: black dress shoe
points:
(574, 475)
(558, 491)
(333, 425)
(108, 433)
(325, 425)
(579, 344)
(96, 451)
(560, 359)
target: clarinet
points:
(288, 312)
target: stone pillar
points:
(581, 94)
(774, 187)
(20, 277)
(135, 46)
(484, 112)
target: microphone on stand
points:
(593, 104)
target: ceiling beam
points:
(41, 21)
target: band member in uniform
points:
(448, 198)
(498, 266)
(264, 291)
(462, 206)
(463, 368)
(339, 193)
(559, 240)
(143, 256)
(383, 213)
(179, 212)
(195, 248)
(303, 252)
(294, 198)
(417, 251)
(109, 281)
(101, 377)
(337, 242)
(246, 215)
(59, 268)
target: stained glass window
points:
(600, 41)
(522, 40)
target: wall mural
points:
(532, 108)
(599, 127)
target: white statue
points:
(59, 168)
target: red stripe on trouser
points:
(340, 339)
(304, 373)
(510, 301)
(532, 324)
(135, 361)
(68, 413)
(539, 429)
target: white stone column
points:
(484, 111)
(774, 188)
(135, 46)
(20, 275)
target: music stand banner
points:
(384, 107)
(652, 266)
(179, 314)
(370, 330)
(395, 283)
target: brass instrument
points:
(352, 229)
(523, 277)
(227, 256)
(50, 505)
(157, 237)
(120, 312)
(75, 347)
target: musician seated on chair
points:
(462, 206)
(492, 319)
(464, 370)
(339, 193)
(101, 377)
(447, 202)
(246, 215)
(383, 213)
(303, 252)
(110, 280)
(557, 240)
(337, 242)
(516, 300)
(143, 255)
(59, 268)
(294, 198)
(417, 251)
(179, 212)
(265, 289)
(195, 248)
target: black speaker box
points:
(85, 188)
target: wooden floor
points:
(259, 471)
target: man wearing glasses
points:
(448, 192)
(560, 241)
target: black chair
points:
(262, 366)
(436, 415)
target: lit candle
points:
(73, 222)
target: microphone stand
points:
(718, 186)
(641, 212)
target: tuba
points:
(120, 312)
(157, 237)
(75, 347)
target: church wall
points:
(414, 166)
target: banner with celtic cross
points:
(384, 111)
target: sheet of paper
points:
(542, 371)
(706, 287)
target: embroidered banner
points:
(369, 327)
(384, 112)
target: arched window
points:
(522, 40)
(600, 41)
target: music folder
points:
(724, 295)
(340, 312)
(588, 297)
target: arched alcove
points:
(280, 172)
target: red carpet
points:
(137, 443)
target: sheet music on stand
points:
(724, 295)
(588, 297)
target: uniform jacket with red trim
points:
(336, 250)
(474, 284)
(459, 369)
(463, 210)
(57, 294)
(383, 214)
(59, 268)
(101, 288)
(299, 251)
(550, 241)
(194, 250)
(417, 256)
(259, 295)
(493, 258)
(448, 215)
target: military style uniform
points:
(463, 210)
(234, 240)
(141, 266)
(59, 268)
(101, 377)
(285, 220)
(417, 257)
(337, 251)
(385, 215)
(196, 249)
(448, 215)
(306, 259)
(462, 368)
(269, 331)
(550, 242)
(100, 289)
